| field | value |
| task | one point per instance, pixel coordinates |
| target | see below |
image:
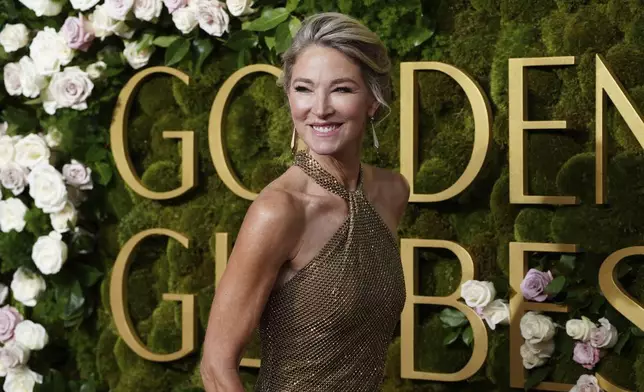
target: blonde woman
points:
(316, 264)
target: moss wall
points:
(477, 36)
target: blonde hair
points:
(350, 37)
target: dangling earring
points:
(376, 144)
(294, 142)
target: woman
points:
(316, 262)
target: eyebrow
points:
(335, 81)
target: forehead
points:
(320, 63)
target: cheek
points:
(351, 106)
(299, 106)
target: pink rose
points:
(586, 355)
(534, 284)
(78, 33)
(604, 336)
(174, 5)
(9, 318)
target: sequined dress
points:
(328, 328)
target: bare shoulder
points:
(390, 186)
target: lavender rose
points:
(174, 5)
(9, 318)
(78, 175)
(13, 354)
(78, 33)
(604, 336)
(586, 383)
(586, 355)
(534, 285)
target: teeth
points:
(325, 129)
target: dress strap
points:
(322, 177)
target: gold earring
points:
(294, 142)
(376, 144)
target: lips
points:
(325, 128)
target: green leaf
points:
(165, 41)
(270, 42)
(623, 339)
(86, 274)
(104, 171)
(283, 38)
(597, 302)
(468, 336)
(95, 153)
(177, 51)
(242, 39)
(567, 262)
(76, 301)
(24, 119)
(451, 337)
(203, 47)
(553, 288)
(637, 332)
(536, 377)
(452, 317)
(144, 42)
(243, 58)
(421, 34)
(294, 25)
(291, 5)
(270, 19)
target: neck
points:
(343, 165)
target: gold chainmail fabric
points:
(328, 328)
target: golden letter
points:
(518, 269)
(605, 80)
(407, 318)
(118, 303)
(118, 140)
(409, 127)
(613, 291)
(222, 249)
(518, 124)
(216, 125)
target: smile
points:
(326, 129)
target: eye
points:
(300, 89)
(344, 89)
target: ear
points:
(373, 108)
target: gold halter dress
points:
(328, 328)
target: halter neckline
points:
(322, 177)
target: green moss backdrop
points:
(478, 36)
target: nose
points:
(321, 106)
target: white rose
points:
(44, 7)
(31, 80)
(12, 215)
(49, 51)
(537, 354)
(49, 253)
(47, 188)
(604, 336)
(174, 5)
(59, 220)
(586, 383)
(32, 150)
(95, 70)
(83, 5)
(185, 19)
(148, 10)
(31, 335)
(477, 294)
(4, 293)
(239, 7)
(68, 89)
(118, 9)
(497, 312)
(53, 138)
(7, 149)
(13, 354)
(212, 17)
(21, 379)
(137, 58)
(13, 177)
(537, 328)
(102, 24)
(579, 329)
(78, 175)
(14, 37)
(12, 79)
(27, 286)
(4, 126)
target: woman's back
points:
(329, 326)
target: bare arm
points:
(267, 238)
